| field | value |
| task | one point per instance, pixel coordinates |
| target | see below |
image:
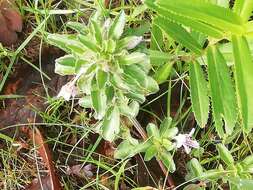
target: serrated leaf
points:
(111, 124)
(199, 94)
(206, 12)
(117, 27)
(179, 34)
(243, 8)
(244, 80)
(226, 50)
(187, 21)
(222, 92)
(156, 42)
(156, 45)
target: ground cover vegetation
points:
(126, 94)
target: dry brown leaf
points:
(51, 181)
(11, 22)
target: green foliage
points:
(224, 107)
(112, 78)
(214, 21)
(199, 94)
(159, 144)
(236, 173)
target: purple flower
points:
(186, 141)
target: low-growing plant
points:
(200, 26)
(160, 143)
(236, 173)
(111, 75)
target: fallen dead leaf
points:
(51, 182)
(11, 22)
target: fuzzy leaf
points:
(133, 58)
(86, 41)
(152, 130)
(65, 65)
(195, 168)
(78, 27)
(150, 153)
(111, 124)
(99, 102)
(68, 43)
(102, 78)
(117, 27)
(167, 160)
(225, 155)
(97, 32)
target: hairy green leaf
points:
(225, 155)
(111, 124)
(117, 26)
